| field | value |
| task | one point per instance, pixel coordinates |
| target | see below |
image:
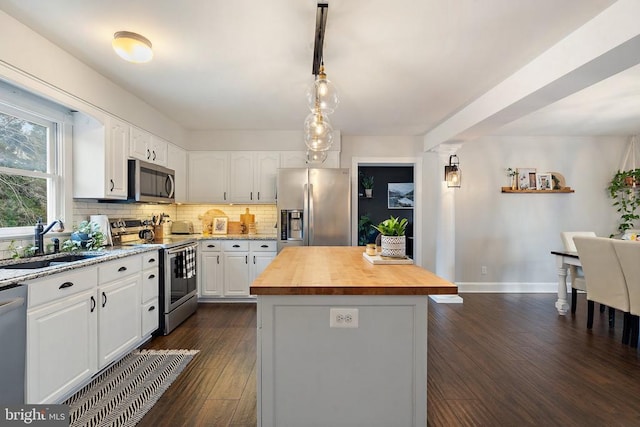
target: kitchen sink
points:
(42, 263)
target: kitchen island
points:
(342, 341)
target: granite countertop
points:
(10, 277)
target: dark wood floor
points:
(496, 360)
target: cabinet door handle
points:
(264, 246)
(153, 307)
(152, 260)
(254, 259)
(152, 276)
(251, 195)
(122, 269)
(236, 246)
(113, 185)
(225, 195)
(246, 259)
(148, 154)
(93, 304)
(154, 154)
(104, 299)
(211, 246)
(66, 285)
(218, 258)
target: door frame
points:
(416, 162)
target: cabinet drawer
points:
(235, 245)
(211, 246)
(122, 267)
(263, 246)
(61, 285)
(150, 284)
(150, 317)
(150, 259)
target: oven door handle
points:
(181, 248)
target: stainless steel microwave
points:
(150, 183)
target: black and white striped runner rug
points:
(124, 392)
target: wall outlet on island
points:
(483, 269)
(343, 318)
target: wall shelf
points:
(562, 190)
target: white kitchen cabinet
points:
(236, 274)
(146, 147)
(61, 334)
(241, 164)
(100, 157)
(261, 255)
(208, 176)
(211, 270)
(119, 308)
(264, 176)
(177, 161)
(150, 293)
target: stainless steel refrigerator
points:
(314, 207)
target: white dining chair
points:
(629, 256)
(605, 281)
(577, 276)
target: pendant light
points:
(322, 94)
(132, 47)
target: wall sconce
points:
(452, 172)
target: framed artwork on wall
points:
(220, 225)
(400, 195)
(544, 181)
(527, 179)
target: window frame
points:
(27, 106)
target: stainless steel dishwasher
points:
(13, 343)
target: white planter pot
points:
(368, 192)
(393, 246)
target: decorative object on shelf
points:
(561, 190)
(452, 172)
(393, 240)
(513, 176)
(87, 236)
(527, 179)
(367, 184)
(132, 47)
(220, 225)
(544, 181)
(623, 189)
(322, 98)
(400, 195)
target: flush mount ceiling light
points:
(452, 172)
(322, 98)
(132, 47)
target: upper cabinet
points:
(147, 147)
(233, 177)
(100, 157)
(177, 160)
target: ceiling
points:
(401, 67)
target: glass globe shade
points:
(316, 157)
(322, 95)
(318, 132)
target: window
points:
(31, 175)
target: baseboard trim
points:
(507, 287)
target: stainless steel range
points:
(178, 268)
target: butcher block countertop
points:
(341, 270)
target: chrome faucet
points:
(40, 231)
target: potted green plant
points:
(393, 240)
(623, 190)
(513, 176)
(86, 235)
(367, 184)
(366, 231)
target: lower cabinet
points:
(227, 267)
(82, 320)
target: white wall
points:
(378, 146)
(250, 140)
(513, 234)
(34, 63)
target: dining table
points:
(565, 261)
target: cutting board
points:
(247, 219)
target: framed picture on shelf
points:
(400, 195)
(527, 179)
(220, 224)
(544, 181)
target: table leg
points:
(561, 304)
